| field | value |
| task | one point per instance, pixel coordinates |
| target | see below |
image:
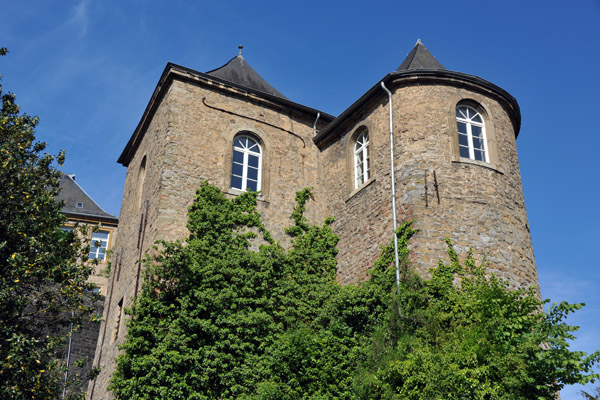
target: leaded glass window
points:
(246, 164)
(471, 134)
(361, 160)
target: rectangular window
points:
(99, 245)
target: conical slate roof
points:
(77, 201)
(419, 58)
(238, 71)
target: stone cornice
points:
(176, 72)
(397, 79)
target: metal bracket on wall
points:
(253, 119)
(119, 265)
(426, 194)
(436, 186)
(143, 223)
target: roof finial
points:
(240, 47)
(419, 42)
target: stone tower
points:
(455, 164)
(456, 170)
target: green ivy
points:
(222, 318)
(467, 335)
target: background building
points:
(81, 209)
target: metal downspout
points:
(64, 391)
(393, 188)
(315, 125)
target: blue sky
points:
(88, 69)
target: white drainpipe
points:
(315, 125)
(393, 188)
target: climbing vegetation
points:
(230, 314)
(43, 281)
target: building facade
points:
(455, 165)
(81, 209)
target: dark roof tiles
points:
(238, 71)
(73, 196)
(419, 58)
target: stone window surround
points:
(479, 103)
(246, 172)
(265, 162)
(358, 128)
(117, 321)
(70, 227)
(110, 231)
(361, 156)
(473, 130)
(141, 176)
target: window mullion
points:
(356, 170)
(245, 171)
(485, 146)
(365, 158)
(470, 140)
(259, 172)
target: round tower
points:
(456, 171)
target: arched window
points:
(361, 159)
(140, 182)
(246, 164)
(472, 143)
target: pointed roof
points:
(418, 67)
(237, 70)
(78, 202)
(234, 75)
(419, 58)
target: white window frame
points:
(247, 151)
(95, 251)
(468, 115)
(361, 157)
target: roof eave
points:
(174, 71)
(91, 217)
(424, 75)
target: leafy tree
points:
(42, 282)
(221, 318)
(218, 318)
(466, 335)
(588, 396)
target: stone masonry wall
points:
(189, 140)
(481, 205)
(130, 244)
(187, 143)
(363, 218)
(199, 147)
(83, 346)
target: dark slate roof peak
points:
(419, 58)
(77, 201)
(238, 71)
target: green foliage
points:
(221, 318)
(465, 335)
(42, 284)
(588, 396)
(216, 319)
